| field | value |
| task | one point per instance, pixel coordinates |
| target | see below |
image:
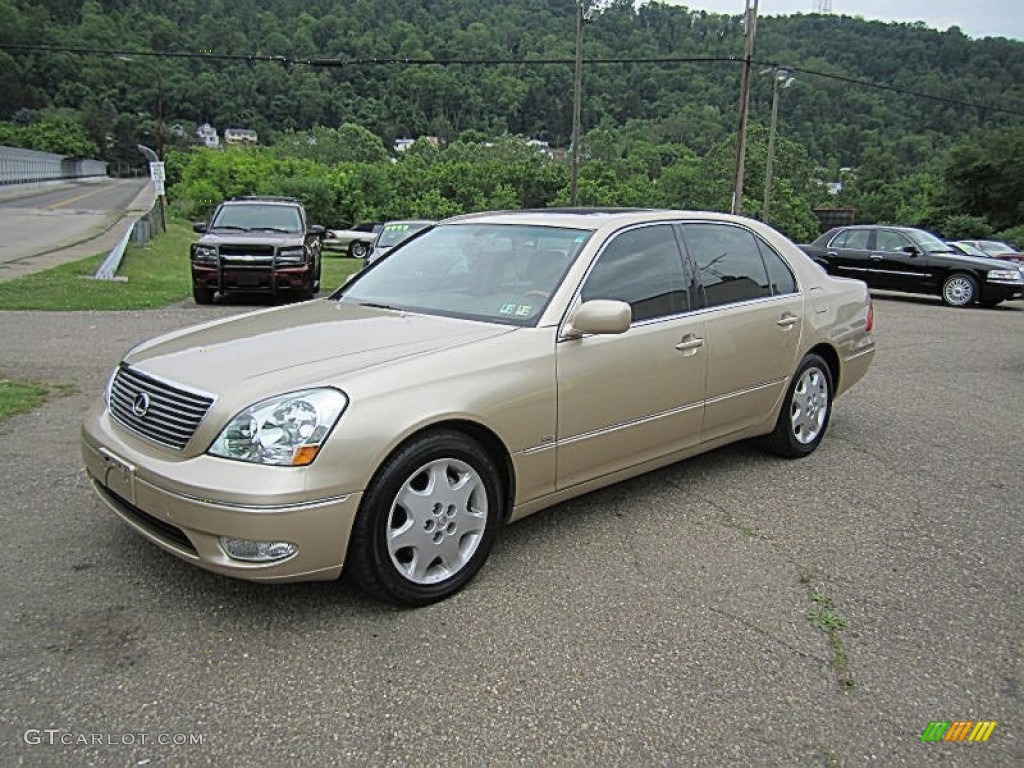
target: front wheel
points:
(428, 520)
(805, 413)
(202, 294)
(959, 290)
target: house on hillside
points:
(244, 136)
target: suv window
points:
(851, 238)
(643, 267)
(729, 263)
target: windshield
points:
(993, 246)
(972, 250)
(397, 231)
(503, 273)
(250, 218)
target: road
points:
(44, 225)
(676, 619)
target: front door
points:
(629, 398)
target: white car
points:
(356, 242)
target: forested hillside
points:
(885, 132)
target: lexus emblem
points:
(140, 406)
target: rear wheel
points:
(428, 520)
(202, 294)
(805, 413)
(358, 249)
(959, 290)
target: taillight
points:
(869, 326)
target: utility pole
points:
(741, 131)
(577, 98)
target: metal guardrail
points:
(142, 231)
(21, 166)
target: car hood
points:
(299, 345)
(248, 238)
(973, 261)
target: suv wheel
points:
(202, 294)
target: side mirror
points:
(199, 226)
(600, 316)
(913, 250)
(317, 230)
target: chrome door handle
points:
(787, 320)
(877, 257)
(690, 344)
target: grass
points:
(21, 396)
(157, 275)
(828, 620)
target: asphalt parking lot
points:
(735, 609)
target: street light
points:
(783, 79)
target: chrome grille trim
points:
(174, 412)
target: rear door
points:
(849, 254)
(754, 317)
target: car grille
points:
(247, 254)
(155, 409)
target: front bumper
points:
(258, 279)
(172, 505)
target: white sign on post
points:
(159, 187)
(156, 172)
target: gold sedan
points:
(489, 367)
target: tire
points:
(806, 411)
(316, 280)
(202, 294)
(428, 520)
(959, 290)
(358, 249)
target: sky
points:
(980, 18)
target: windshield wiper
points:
(269, 229)
(377, 306)
(230, 226)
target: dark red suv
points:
(256, 245)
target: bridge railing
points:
(22, 166)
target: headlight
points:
(204, 253)
(291, 254)
(286, 431)
(1012, 275)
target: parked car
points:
(914, 261)
(256, 245)
(393, 233)
(355, 241)
(995, 250)
(495, 365)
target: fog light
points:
(257, 551)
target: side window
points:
(780, 277)
(728, 261)
(643, 267)
(887, 240)
(851, 238)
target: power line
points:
(334, 63)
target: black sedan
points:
(915, 261)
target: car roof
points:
(289, 201)
(589, 218)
